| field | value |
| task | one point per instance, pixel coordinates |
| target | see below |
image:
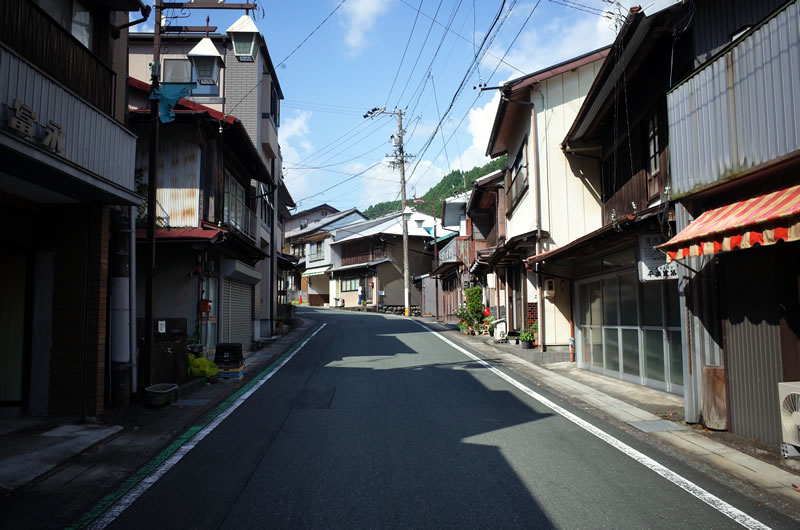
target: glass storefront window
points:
(628, 285)
(654, 354)
(630, 352)
(651, 304)
(675, 358)
(597, 346)
(610, 297)
(673, 307)
(620, 260)
(611, 349)
(596, 303)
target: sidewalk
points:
(53, 468)
(654, 416)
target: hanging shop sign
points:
(652, 262)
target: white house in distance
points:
(369, 254)
(310, 244)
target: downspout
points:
(540, 299)
(132, 297)
(273, 269)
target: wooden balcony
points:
(31, 33)
(362, 251)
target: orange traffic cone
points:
(301, 298)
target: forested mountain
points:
(451, 184)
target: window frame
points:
(517, 178)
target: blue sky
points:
(355, 62)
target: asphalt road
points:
(378, 423)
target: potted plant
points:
(526, 338)
(535, 330)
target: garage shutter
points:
(237, 313)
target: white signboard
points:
(652, 262)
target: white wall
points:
(571, 202)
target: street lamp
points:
(206, 61)
(406, 216)
(243, 34)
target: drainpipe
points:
(273, 272)
(540, 302)
(132, 297)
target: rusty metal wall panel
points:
(179, 166)
(740, 111)
(92, 140)
(753, 348)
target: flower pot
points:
(527, 344)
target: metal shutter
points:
(237, 313)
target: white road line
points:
(129, 498)
(708, 498)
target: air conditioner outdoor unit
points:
(789, 402)
(549, 287)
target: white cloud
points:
(359, 17)
(294, 146)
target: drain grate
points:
(657, 426)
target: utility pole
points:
(399, 161)
(152, 172)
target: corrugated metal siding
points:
(741, 110)
(237, 313)
(92, 139)
(716, 21)
(178, 193)
(753, 345)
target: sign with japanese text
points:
(652, 262)
(23, 121)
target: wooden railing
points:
(30, 32)
(361, 252)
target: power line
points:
(338, 184)
(287, 57)
(335, 9)
(464, 38)
(399, 66)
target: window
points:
(73, 16)
(299, 250)
(517, 178)
(653, 163)
(82, 26)
(419, 223)
(303, 223)
(181, 71)
(350, 284)
(274, 106)
(177, 71)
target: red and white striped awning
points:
(762, 220)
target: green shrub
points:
(526, 335)
(475, 303)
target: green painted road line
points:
(109, 500)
